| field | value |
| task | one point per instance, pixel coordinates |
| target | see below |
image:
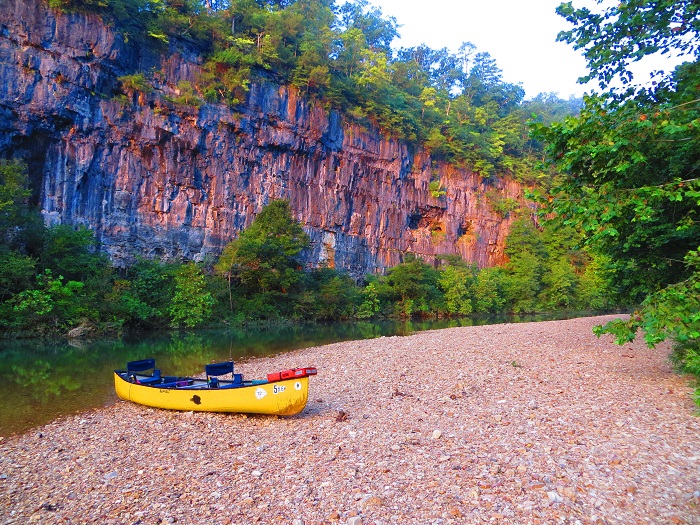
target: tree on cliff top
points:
(455, 105)
(152, 21)
(631, 164)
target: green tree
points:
(628, 32)
(631, 162)
(412, 285)
(456, 280)
(378, 32)
(53, 305)
(16, 272)
(142, 298)
(595, 287)
(265, 259)
(371, 304)
(149, 22)
(14, 194)
(72, 253)
(528, 260)
(523, 283)
(559, 286)
(192, 303)
(18, 225)
(487, 291)
(312, 71)
(327, 295)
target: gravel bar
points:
(526, 423)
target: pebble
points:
(372, 501)
(554, 496)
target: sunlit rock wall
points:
(156, 179)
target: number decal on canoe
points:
(297, 385)
(260, 393)
(278, 389)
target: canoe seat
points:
(219, 369)
(135, 367)
(155, 378)
(140, 366)
(237, 381)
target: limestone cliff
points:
(158, 179)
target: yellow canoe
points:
(285, 396)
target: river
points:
(41, 381)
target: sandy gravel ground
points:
(516, 423)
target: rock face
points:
(163, 180)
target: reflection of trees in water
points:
(41, 371)
(40, 381)
(45, 369)
(186, 354)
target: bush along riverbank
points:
(55, 280)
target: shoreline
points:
(510, 423)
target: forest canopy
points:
(456, 105)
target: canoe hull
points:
(281, 398)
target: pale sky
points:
(519, 34)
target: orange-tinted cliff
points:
(158, 179)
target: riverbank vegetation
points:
(53, 279)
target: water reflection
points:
(42, 381)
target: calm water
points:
(42, 381)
